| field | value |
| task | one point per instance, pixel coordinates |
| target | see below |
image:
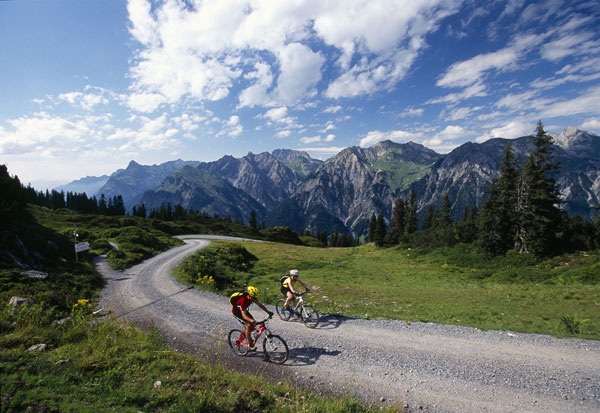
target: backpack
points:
(234, 297)
(283, 278)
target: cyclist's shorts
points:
(284, 290)
(238, 314)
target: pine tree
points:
(411, 214)
(537, 198)
(372, 228)
(445, 216)
(498, 223)
(428, 222)
(379, 230)
(253, 223)
(398, 221)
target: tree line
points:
(521, 213)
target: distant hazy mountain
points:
(90, 185)
(195, 188)
(133, 181)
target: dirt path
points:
(421, 366)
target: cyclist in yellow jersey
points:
(287, 288)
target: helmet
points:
(252, 291)
(294, 272)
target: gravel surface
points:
(416, 367)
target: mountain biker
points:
(240, 311)
(287, 289)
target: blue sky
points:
(88, 85)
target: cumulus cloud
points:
(512, 130)
(311, 139)
(398, 136)
(86, 100)
(591, 124)
(270, 48)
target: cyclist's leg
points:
(247, 326)
(289, 301)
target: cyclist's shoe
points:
(283, 309)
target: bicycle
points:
(274, 347)
(306, 312)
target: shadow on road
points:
(307, 356)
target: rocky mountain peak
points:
(568, 137)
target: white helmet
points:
(294, 272)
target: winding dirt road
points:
(421, 366)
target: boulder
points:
(17, 302)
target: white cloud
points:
(591, 124)
(312, 139)
(332, 109)
(574, 43)
(588, 102)
(412, 112)
(328, 126)
(399, 136)
(204, 50)
(453, 132)
(283, 134)
(231, 127)
(45, 134)
(86, 101)
(277, 114)
(145, 102)
(512, 130)
(329, 138)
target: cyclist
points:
(287, 289)
(240, 311)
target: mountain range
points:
(288, 187)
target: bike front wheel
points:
(310, 316)
(276, 349)
(282, 312)
(237, 342)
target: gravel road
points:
(417, 366)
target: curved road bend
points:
(421, 366)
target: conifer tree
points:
(445, 215)
(398, 221)
(428, 222)
(538, 199)
(379, 230)
(253, 223)
(498, 223)
(411, 213)
(372, 227)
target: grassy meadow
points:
(560, 296)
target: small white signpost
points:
(79, 246)
(82, 246)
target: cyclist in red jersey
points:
(240, 311)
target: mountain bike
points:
(306, 312)
(274, 347)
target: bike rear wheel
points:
(276, 349)
(237, 342)
(284, 314)
(310, 316)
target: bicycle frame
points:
(260, 328)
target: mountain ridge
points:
(346, 189)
